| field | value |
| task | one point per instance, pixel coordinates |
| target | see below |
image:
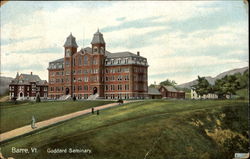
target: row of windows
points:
(140, 77)
(140, 69)
(92, 79)
(117, 87)
(118, 96)
(125, 61)
(79, 61)
(117, 70)
(59, 73)
(117, 61)
(140, 86)
(95, 71)
(21, 88)
(118, 78)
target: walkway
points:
(26, 129)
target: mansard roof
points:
(58, 60)
(70, 41)
(98, 38)
(122, 54)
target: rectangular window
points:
(79, 60)
(85, 71)
(86, 79)
(79, 88)
(112, 87)
(126, 60)
(79, 72)
(119, 61)
(94, 61)
(79, 79)
(85, 87)
(67, 63)
(119, 87)
(85, 60)
(119, 78)
(126, 87)
(67, 73)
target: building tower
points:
(98, 51)
(70, 48)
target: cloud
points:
(13, 40)
(180, 39)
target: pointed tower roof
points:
(98, 38)
(70, 41)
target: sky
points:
(180, 39)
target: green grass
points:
(14, 116)
(164, 128)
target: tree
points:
(227, 85)
(202, 87)
(168, 82)
(152, 86)
(38, 98)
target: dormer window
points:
(119, 61)
(126, 60)
(112, 61)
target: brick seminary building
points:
(93, 72)
(28, 86)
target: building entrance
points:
(94, 90)
(67, 91)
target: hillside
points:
(156, 129)
(212, 80)
(4, 84)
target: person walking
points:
(33, 121)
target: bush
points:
(38, 99)
(120, 101)
(74, 98)
(14, 99)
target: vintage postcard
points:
(124, 80)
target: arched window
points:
(95, 49)
(85, 60)
(79, 60)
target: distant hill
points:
(212, 80)
(4, 84)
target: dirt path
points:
(4, 99)
(27, 128)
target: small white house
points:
(194, 95)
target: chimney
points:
(31, 73)
(138, 53)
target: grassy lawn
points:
(14, 116)
(161, 129)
